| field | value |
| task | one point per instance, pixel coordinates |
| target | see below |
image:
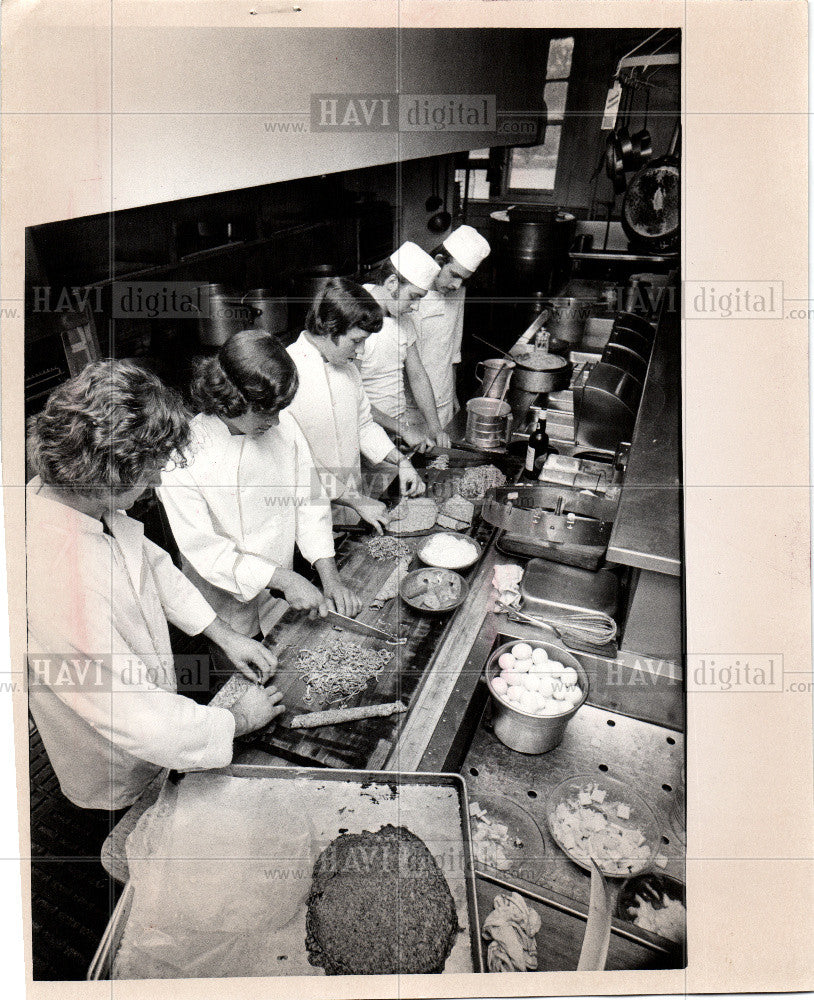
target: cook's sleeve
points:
(122, 700)
(183, 604)
(314, 535)
(214, 556)
(458, 333)
(374, 442)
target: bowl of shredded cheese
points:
(449, 550)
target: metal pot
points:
(566, 318)
(497, 373)
(521, 730)
(222, 315)
(541, 372)
(272, 311)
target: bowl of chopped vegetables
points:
(604, 819)
(433, 590)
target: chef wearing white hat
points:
(439, 317)
(389, 354)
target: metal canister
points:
(523, 731)
(488, 423)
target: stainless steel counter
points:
(647, 531)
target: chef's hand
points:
(415, 439)
(251, 658)
(372, 511)
(255, 708)
(442, 439)
(345, 600)
(300, 594)
(411, 484)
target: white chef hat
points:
(415, 266)
(467, 246)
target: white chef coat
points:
(238, 508)
(382, 365)
(333, 412)
(102, 683)
(439, 324)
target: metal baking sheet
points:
(340, 800)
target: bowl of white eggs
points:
(536, 688)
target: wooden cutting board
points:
(352, 744)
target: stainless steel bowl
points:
(521, 730)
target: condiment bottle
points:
(538, 445)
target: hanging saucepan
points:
(651, 210)
(642, 148)
(442, 220)
(614, 164)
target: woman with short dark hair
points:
(331, 406)
(102, 683)
(249, 490)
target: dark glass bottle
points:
(538, 446)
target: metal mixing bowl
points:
(523, 731)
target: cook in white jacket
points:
(391, 353)
(439, 317)
(102, 681)
(250, 491)
(331, 406)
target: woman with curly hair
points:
(331, 405)
(249, 490)
(102, 681)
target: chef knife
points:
(344, 622)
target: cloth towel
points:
(506, 581)
(511, 928)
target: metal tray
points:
(102, 963)
(550, 587)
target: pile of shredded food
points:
(387, 547)
(477, 480)
(338, 671)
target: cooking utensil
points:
(583, 632)
(362, 627)
(651, 210)
(523, 731)
(605, 879)
(541, 372)
(497, 373)
(601, 904)
(549, 590)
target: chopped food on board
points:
(386, 547)
(476, 481)
(338, 671)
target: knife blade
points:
(342, 620)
